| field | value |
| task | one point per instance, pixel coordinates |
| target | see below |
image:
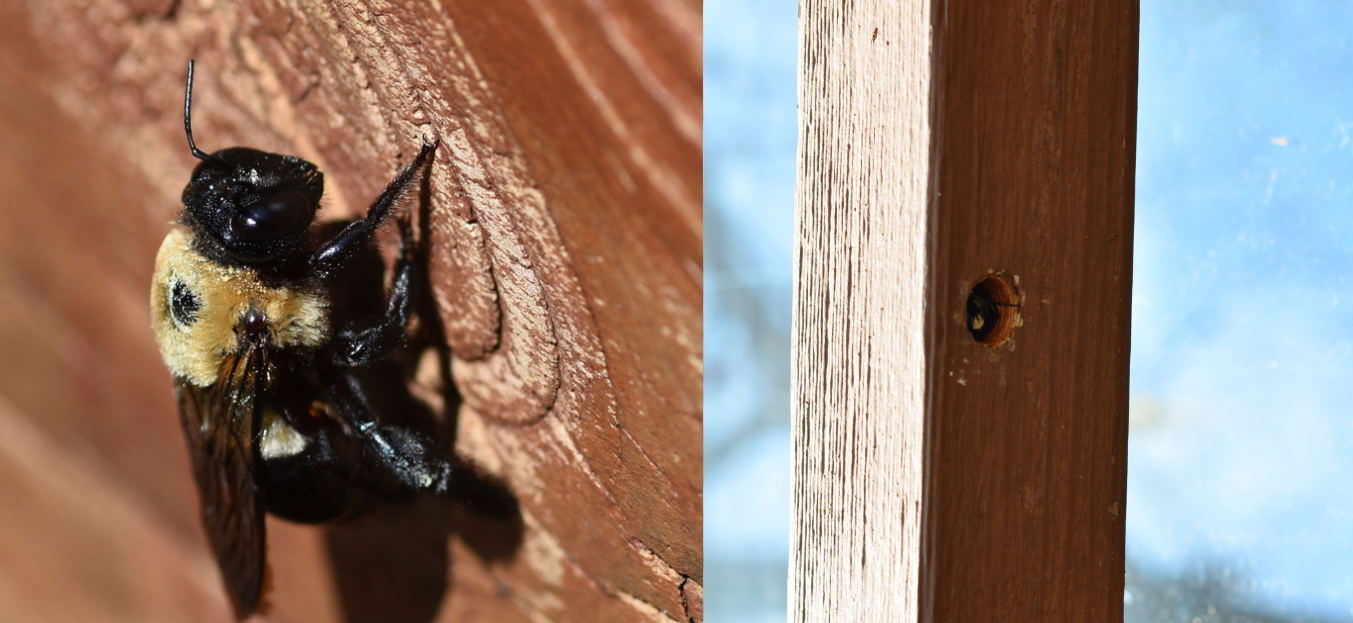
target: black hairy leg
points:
(330, 257)
(362, 348)
(409, 458)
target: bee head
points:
(253, 206)
(257, 206)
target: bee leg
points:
(409, 456)
(362, 348)
(329, 258)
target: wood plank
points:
(1025, 444)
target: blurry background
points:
(750, 134)
(1241, 444)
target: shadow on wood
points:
(394, 566)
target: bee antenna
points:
(188, 122)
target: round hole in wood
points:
(993, 311)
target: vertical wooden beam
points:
(1028, 121)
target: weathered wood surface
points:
(1028, 171)
(858, 385)
(565, 237)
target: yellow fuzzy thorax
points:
(194, 351)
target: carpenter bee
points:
(274, 413)
(984, 313)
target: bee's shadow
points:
(395, 567)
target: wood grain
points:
(1029, 176)
(564, 229)
(859, 381)
(1028, 458)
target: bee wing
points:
(219, 424)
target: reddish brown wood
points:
(1027, 472)
(565, 227)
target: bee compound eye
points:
(272, 217)
(184, 304)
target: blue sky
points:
(750, 134)
(1242, 423)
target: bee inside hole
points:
(993, 311)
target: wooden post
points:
(563, 223)
(938, 478)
